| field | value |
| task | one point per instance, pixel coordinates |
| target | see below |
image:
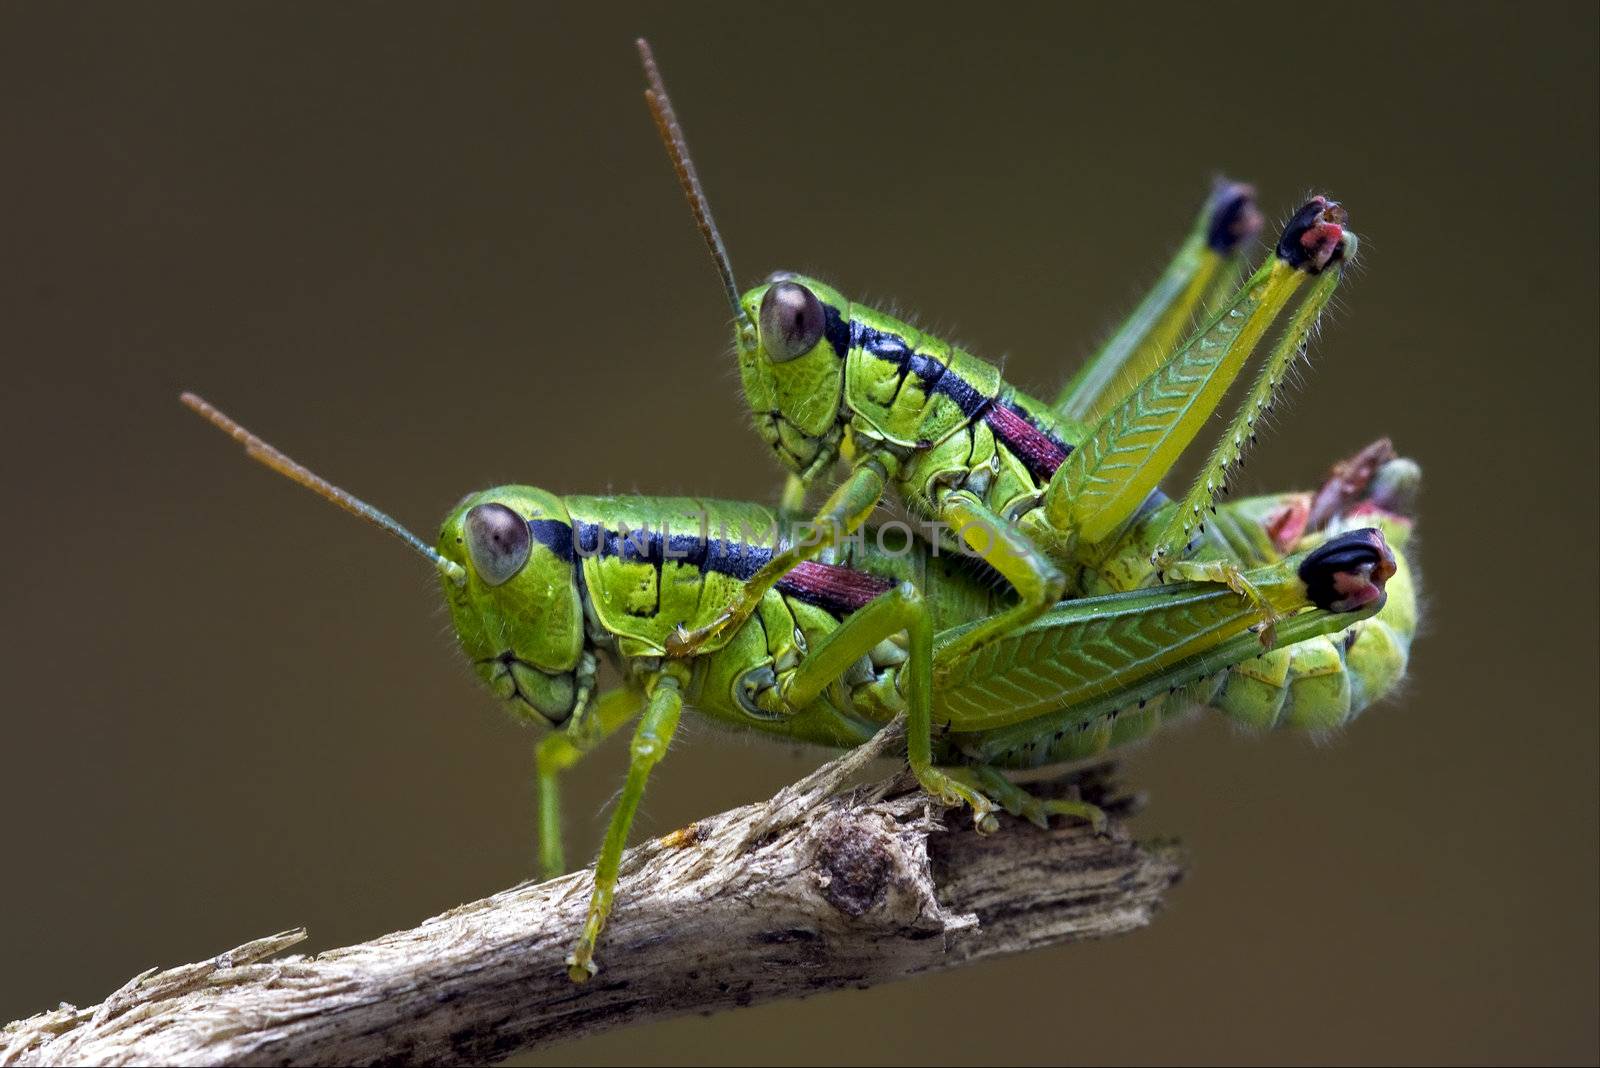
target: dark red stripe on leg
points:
(839, 590)
(1039, 452)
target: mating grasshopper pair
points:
(825, 640)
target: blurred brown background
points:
(427, 250)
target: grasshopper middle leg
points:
(649, 745)
(901, 609)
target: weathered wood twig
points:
(810, 891)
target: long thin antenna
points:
(263, 453)
(678, 151)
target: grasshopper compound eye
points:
(1347, 573)
(791, 321)
(498, 542)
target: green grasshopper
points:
(540, 587)
(1049, 502)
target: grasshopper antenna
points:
(678, 151)
(263, 453)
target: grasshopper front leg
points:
(843, 514)
(901, 609)
(558, 752)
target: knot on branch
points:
(859, 862)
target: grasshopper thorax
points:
(518, 612)
(792, 342)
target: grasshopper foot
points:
(580, 964)
(956, 787)
(1090, 813)
(1038, 810)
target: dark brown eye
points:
(791, 321)
(497, 542)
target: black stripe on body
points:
(835, 589)
(717, 555)
(934, 374)
(836, 329)
(554, 535)
(937, 377)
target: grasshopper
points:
(1047, 500)
(540, 587)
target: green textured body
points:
(1053, 505)
(826, 402)
(1045, 493)
(1062, 499)
(1087, 675)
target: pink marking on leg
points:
(1038, 453)
(841, 590)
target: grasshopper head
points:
(791, 333)
(505, 557)
(792, 339)
(516, 607)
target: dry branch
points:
(810, 891)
